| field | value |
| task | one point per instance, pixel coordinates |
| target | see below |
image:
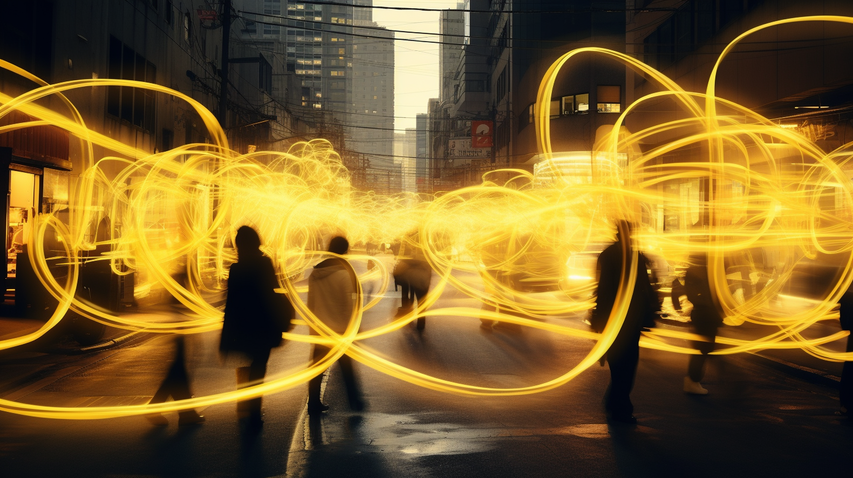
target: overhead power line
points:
(530, 12)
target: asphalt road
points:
(757, 420)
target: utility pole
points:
(223, 72)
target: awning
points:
(38, 146)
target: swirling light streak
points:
(180, 208)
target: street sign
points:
(206, 14)
(481, 134)
(461, 148)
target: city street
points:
(757, 420)
(551, 181)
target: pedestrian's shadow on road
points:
(315, 431)
(337, 446)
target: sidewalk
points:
(58, 340)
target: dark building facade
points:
(509, 47)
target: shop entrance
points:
(24, 193)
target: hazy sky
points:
(416, 78)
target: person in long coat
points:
(253, 316)
(414, 274)
(624, 353)
(332, 298)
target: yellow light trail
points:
(769, 189)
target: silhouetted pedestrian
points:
(413, 273)
(705, 320)
(623, 354)
(176, 385)
(255, 317)
(332, 298)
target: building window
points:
(573, 105)
(133, 105)
(187, 26)
(582, 104)
(531, 113)
(555, 109)
(167, 140)
(568, 105)
(609, 99)
(501, 86)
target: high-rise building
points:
(370, 130)
(422, 154)
(464, 96)
(318, 46)
(452, 30)
(409, 160)
(343, 63)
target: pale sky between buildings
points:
(416, 78)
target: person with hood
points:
(332, 298)
(255, 317)
(624, 352)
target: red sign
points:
(206, 14)
(481, 134)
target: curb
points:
(802, 372)
(107, 343)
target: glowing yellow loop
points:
(179, 211)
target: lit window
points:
(609, 108)
(555, 108)
(582, 104)
(187, 27)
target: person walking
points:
(176, 385)
(705, 320)
(255, 317)
(414, 274)
(624, 353)
(332, 298)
